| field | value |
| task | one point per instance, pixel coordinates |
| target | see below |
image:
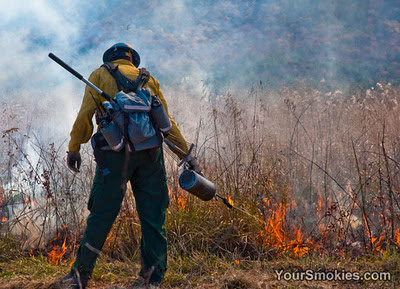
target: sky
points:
(176, 42)
(194, 47)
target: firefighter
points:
(145, 172)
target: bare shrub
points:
(307, 170)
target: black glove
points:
(74, 161)
(194, 165)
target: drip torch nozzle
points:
(225, 201)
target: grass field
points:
(209, 272)
(313, 177)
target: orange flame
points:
(109, 236)
(109, 243)
(31, 254)
(57, 253)
(230, 201)
(181, 200)
(299, 249)
(274, 234)
(376, 243)
(4, 219)
(397, 237)
(178, 195)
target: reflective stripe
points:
(137, 107)
(165, 129)
(119, 146)
(93, 249)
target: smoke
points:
(203, 47)
(198, 50)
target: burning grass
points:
(312, 177)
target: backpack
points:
(130, 116)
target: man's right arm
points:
(83, 126)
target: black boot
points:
(73, 282)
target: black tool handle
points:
(66, 66)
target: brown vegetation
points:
(312, 176)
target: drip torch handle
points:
(186, 157)
(175, 148)
(66, 66)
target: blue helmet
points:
(120, 51)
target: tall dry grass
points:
(307, 170)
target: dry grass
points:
(213, 272)
(314, 177)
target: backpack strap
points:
(126, 83)
(143, 77)
(112, 69)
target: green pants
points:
(146, 173)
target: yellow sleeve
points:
(175, 135)
(83, 126)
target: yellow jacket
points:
(83, 127)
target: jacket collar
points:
(122, 62)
